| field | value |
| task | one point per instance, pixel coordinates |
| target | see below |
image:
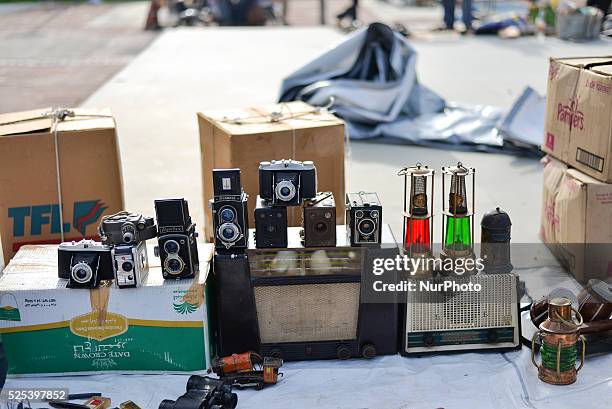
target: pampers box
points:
(160, 327)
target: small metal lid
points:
(496, 219)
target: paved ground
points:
(58, 54)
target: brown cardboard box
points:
(577, 221)
(89, 176)
(579, 114)
(242, 138)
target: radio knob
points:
(343, 352)
(428, 340)
(368, 351)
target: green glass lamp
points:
(458, 212)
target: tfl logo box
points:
(59, 174)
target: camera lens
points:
(359, 214)
(374, 213)
(366, 227)
(271, 228)
(285, 190)
(171, 247)
(128, 237)
(81, 272)
(127, 266)
(227, 214)
(321, 227)
(174, 265)
(229, 232)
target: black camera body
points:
(85, 263)
(131, 264)
(204, 392)
(319, 221)
(176, 241)
(287, 182)
(230, 212)
(363, 218)
(270, 225)
(126, 228)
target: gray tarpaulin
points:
(370, 80)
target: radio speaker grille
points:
(494, 306)
(307, 312)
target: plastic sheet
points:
(370, 80)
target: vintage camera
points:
(270, 225)
(287, 182)
(204, 392)
(363, 218)
(176, 240)
(230, 211)
(131, 264)
(85, 263)
(126, 228)
(319, 221)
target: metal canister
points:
(559, 336)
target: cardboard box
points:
(579, 114)
(86, 170)
(242, 138)
(47, 328)
(577, 221)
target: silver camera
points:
(131, 264)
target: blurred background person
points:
(449, 15)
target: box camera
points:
(229, 211)
(85, 263)
(126, 228)
(319, 221)
(204, 392)
(176, 240)
(363, 218)
(131, 264)
(287, 182)
(270, 225)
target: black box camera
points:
(363, 218)
(176, 240)
(85, 263)
(319, 221)
(287, 182)
(270, 225)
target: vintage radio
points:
(451, 314)
(305, 303)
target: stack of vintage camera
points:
(122, 254)
(282, 184)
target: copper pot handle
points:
(572, 322)
(533, 358)
(583, 354)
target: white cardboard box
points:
(160, 327)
